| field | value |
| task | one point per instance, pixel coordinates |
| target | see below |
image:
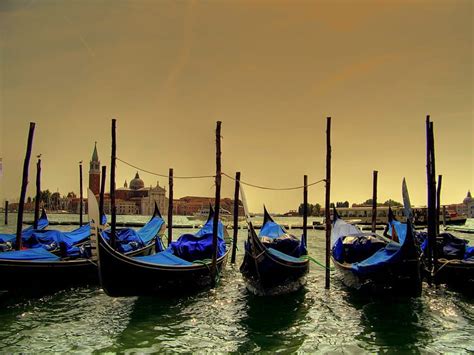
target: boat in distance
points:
(274, 261)
(363, 215)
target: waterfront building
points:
(191, 205)
(467, 206)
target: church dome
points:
(136, 183)
(468, 198)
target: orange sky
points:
(271, 71)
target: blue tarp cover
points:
(198, 246)
(271, 230)
(272, 235)
(47, 237)
(448, 246)
(164, 258)
(129, 239)
(150, 230)
(27, 232)
(37, 254)
(387, 255)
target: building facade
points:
(143, 198)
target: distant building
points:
(189, 205)
(467, 206)
(143, 198)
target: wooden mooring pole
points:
(433, 199)
(81, 197)
(6, 212)
(438, 203)
(102, 193)
(38, 192)
(431, 188)
(305, 208)
(328, 198)
(170, 206)
(113, 210)
(217, 203)
(236, 217)
(374, 201)
(24, 184)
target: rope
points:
(224, 174)
(451, 261)
(273, 188)
(316, 262)
(165, 175)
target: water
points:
(228, 318)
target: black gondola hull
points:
(401, 278)
(268, 276)
(122, 276)
(37, 277)
(457, 274)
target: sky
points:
(271, 71)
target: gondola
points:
(37, 270)
(184, 267)
(8, 241)
(374, 264)
(455, 258)
(274, 261)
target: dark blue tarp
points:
(47, 238)
(448, 246)
(37, 254)
(272, 235)
(129, 239)
(469, 254)
(27, 232)
(164, 258)
(391, 253)
(271, 230)
(388, 254)
(192, 247)
(151, 229)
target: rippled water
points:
(228, 318)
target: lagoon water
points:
(228, 318)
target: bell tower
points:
(94, 172)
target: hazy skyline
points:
(271, 71)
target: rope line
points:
(316, 262)
(224, 174)
(165, 175)
(273, 188)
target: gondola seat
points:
(283, 256)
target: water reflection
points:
(392, 323)
(75, 319)
(273, 323)
(154, 323)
